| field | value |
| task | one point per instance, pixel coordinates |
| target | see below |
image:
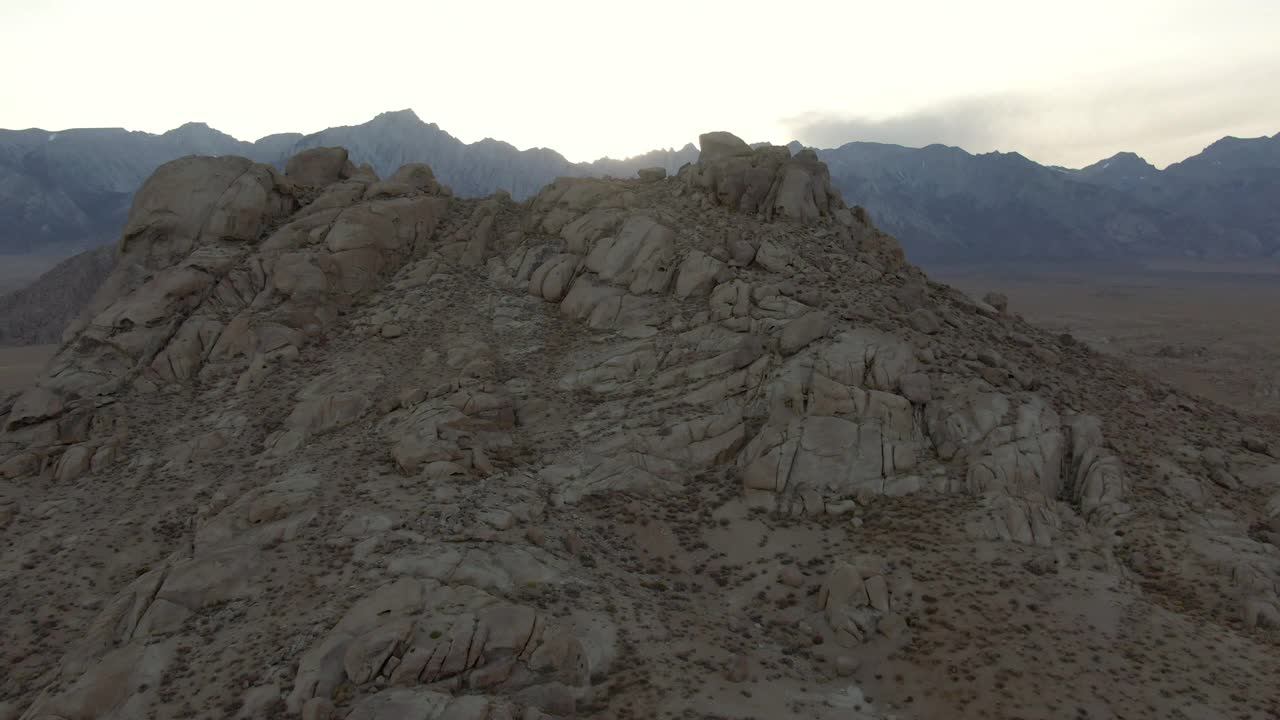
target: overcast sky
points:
(1063, 83)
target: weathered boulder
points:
(697, 273)
(798, 333)
(1095, 476)
(766, 180)
(721, 144)
(124, 683)
(640, 257)
(418, 632)
(924, 321)
(856, 601)
(319, 166)
(867, 358)
(33, 406)
(417, 176)
(191, 225)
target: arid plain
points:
(1211, 330)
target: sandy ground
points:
(20, 365)
(1209, 329)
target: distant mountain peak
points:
(1125, 158)
(189, 128)
(406, 116)
(198, 130)
(495, 143)
(1125, 169)
(1012, 155)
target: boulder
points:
(798, 333)
(319, 166)
(417, 176)
(741, 253)
(125, 683)
(35, 405)
(924, 321)
(721, 144)
(697, 274)
(917, 388)
(1255, 445)
(766, 180)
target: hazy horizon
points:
(1161, 79)
(668, 147)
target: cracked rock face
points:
(332, 446)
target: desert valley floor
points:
(1209, 329)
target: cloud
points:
(1163, 119)
(977, 122)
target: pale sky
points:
(1062, 83)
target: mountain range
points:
(61, 192)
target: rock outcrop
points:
(326, 445)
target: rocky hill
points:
(334, 446)
(38, 313)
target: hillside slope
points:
(333, 446)
(38, 313)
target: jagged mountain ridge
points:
(334, 446)
(71, 188)
(950, 206)
(1232, 187)
(1124, 171)
(477, 169)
